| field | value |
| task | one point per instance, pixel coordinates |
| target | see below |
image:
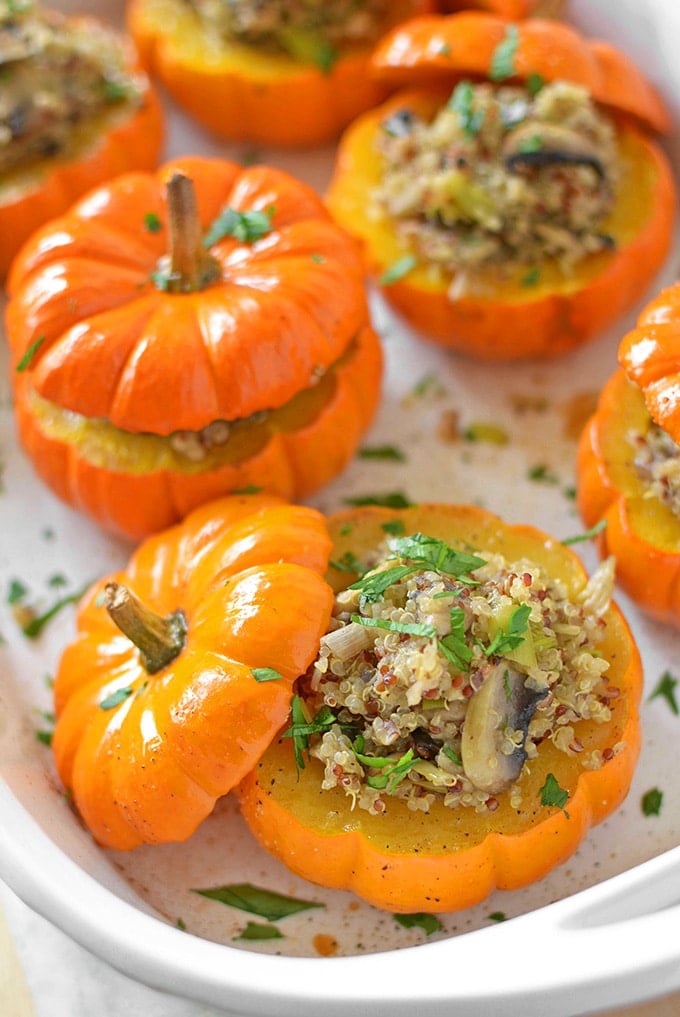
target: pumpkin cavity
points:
(443, 673)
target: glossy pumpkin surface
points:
(144, 751)
(502, 318)
(641, 531)
(238, 92)
(278, 344)
(448, 859)
(127, 136)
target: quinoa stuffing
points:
(56, 74)
(305, 29)
(657, 461)
(501, 178)
(443, 672)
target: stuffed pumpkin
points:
(280, 73)
(471, 712)
(209, 332)
(628, 465)
(75, 109)
(509, 198)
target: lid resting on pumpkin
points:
(650, 356)
(440, 49)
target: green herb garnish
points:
(436, 554)
(531, 278)
(398, 269)
(453, 645)
(395, 527)
(246, 227)
(497, 916)
(552, 794)
(389, 452)
(511, 637)
(115, 698)
(541, 474)
(348, 562)
(257, 901)
(395, 500)
(373, 586)
(152, 222)
(266, 674)
(503, 57)
(257, 930)
(302, 728)
(665, 688)
(404, 628)
(428, 923)
(394, 774)
(651, 802)
(462, 103)
(531, 145)
(587, 534)
(30, 353)
(534, 83)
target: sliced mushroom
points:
(542, 144)
(502, 701)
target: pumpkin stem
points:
(189, 266)
(159, 640)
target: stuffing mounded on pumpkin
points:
(509, 198)
(471, 713)
(75, 109)
(210, 332)
(628, 465)
(282, 73)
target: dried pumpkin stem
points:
(158, 639)
(189, 266)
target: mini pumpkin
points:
(166, 699)
(627, 462)
(289, 75)
(147, 383)
(77, 109)
(549, 209)
(403, 779)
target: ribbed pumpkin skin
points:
(448, 859)
(110, 345)
(240, 94)
(247, 572)
(642, 533)
(511, 321)
(123, 140)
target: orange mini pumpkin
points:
(517, 822)
(109, 119)
(146, 384)
(290, 88)
(626, 457)
(453, 260)
(167, 699)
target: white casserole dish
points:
(600, 931)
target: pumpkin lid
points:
(182, 670)
(444, 48)
(103, 324)
(650, 356)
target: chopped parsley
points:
(462, 103)
(503, 57)
(534, 83)
(532, 277)
(541, 474)
(30, 353)
(513, 635)
(389, 452)
(246, 227)
(258, 930)
(404, 628)
(398, 269)
(453, 645)
(552, 794)
(152, 222)
(420, 920)
(498, 916)
(651, 802)
(257, 901)
(436, 554)
(587, 534)
(302, 728)
(116, 698)
(348, 562)
(665, 688)
(395, 527)
(266, 674)
(532, 144)
(373, 586)
(395, 499)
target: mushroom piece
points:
(502, 701)
(543, 144)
